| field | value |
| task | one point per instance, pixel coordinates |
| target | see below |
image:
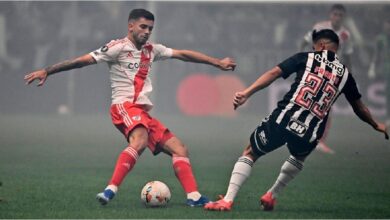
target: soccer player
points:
(130, 61)
(335, 23)
(299, 118)
(380, 61)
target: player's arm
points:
(197, 57)
(303, 45)
(42, 74)
(348, 61)
(306, 41)
(262, 82)
(374, 59)
(364, 114)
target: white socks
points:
(289, 170)
(241, 171)
(112, 188)
(194, 195)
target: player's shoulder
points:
(154, 44)
(118, 42)
(302, 55)
(322, 25)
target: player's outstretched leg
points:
(289, 170)
(241, 171)
(183, 171)
(184, 174)
(124, 164)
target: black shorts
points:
(269, 136)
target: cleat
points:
(220, 205)
(322, 147)
(200, 202)
(267, 202)
(105, 197)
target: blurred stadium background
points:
(60, 137)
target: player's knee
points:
(183, 151)
(248, 152)
(138, 138)
(180, 151)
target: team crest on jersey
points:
(104, 49)
(297, 127)
(136, 118)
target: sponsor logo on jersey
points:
(333, 65)
(297, 127)
(139, 65)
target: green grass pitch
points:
(52, 167)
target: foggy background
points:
(258, 36)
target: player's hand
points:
(40, 75)
(382, 128)
(227, 64)
(239, 99)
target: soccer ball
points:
(155, 194)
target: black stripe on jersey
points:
(312, 125)
(287, 117)
(321, 129)
(330, 57)
(303, 116)
(315, 63)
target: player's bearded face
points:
(141, 30)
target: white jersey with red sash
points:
(130, 69)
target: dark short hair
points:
(325, 34)
(138, 13)
(338, 7)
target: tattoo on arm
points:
(68, 65)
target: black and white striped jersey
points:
(320, 79)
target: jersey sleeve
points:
(351, 90)
(348, 43)
(291, 64)
(108, 52)
(161, 52)
(308, 36)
